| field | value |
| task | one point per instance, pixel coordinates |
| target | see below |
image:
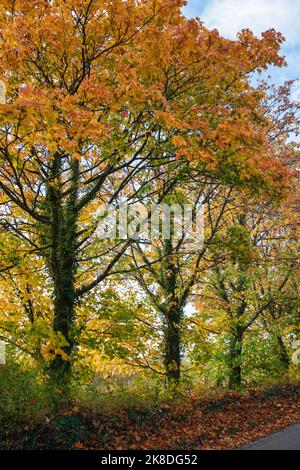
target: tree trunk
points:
(62, 267)
(64, 313)
(235, 359)
(173, 346)
(283, 354)
(173, 312)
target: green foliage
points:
(25, 399)
(134, 393)
(261, 362)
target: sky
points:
(230, 16)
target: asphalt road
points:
(287, 439)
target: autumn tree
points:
(101, 93)
(168, 268)
(254, 280)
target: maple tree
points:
(99, 91)
(128, 105)
(168, 269)
(110, 101)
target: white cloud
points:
(230, 16)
